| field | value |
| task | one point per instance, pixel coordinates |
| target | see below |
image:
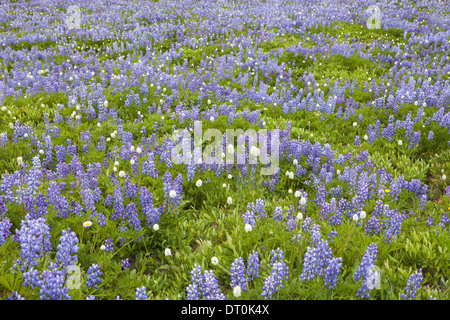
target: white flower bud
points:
(199, 183)
(214, 261)
(230, 200)
(362, 214)
(302, 201)
(248, 227)
(156, 227)
(167, 252)
(172, 193)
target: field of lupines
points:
(94, 203)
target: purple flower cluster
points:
(203, 287)
(414, 283)
(365, 271)
(93, 277)
(34, 239)
(67, 249)
(278, 274)
(238, 274)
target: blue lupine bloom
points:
(278, 214)
(93, 277)
(332, 271)
(367, 264)
(195, 288)
(15, 296)
(91, 297)
(53, 284)
(67, 249)
(141, 293)
(414, 283)
(211, 287)
(279, 272)
(31, 278)
(333, 234)
(5, 225)
(34, 238)
(109, 245)
(270, 287)
(125, 264)
(203, 287)
(238, 275)
(249, 218)
(253, 265)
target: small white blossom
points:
(122, 174)
(156, 227)
(302, 201)
(362, 214)
(214, 261)
(248, 227)
(297, 194)
(172, 193)
(229, 200)
(87, 224)
(355, 217)
(199, 183)
(167, 252)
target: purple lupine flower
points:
(260, 208)
(15, 296)
(91, 297)
(238, 275)
(195, 288)
(93, 277)
(253, 266)
(414, 283)
(53, 284)
(280, 272)
(332, 271)
(430, 221)
(249, 218)
(5, 225)
(31, 278)
(141, 293)
(211, 287)
(109, 245)
(34, 238)
(67, 247)
(367, 264)
(333, 234)
(445, 218)
(270, 287)
(278, 214)
(125, 264)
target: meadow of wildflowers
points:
(350, 99)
